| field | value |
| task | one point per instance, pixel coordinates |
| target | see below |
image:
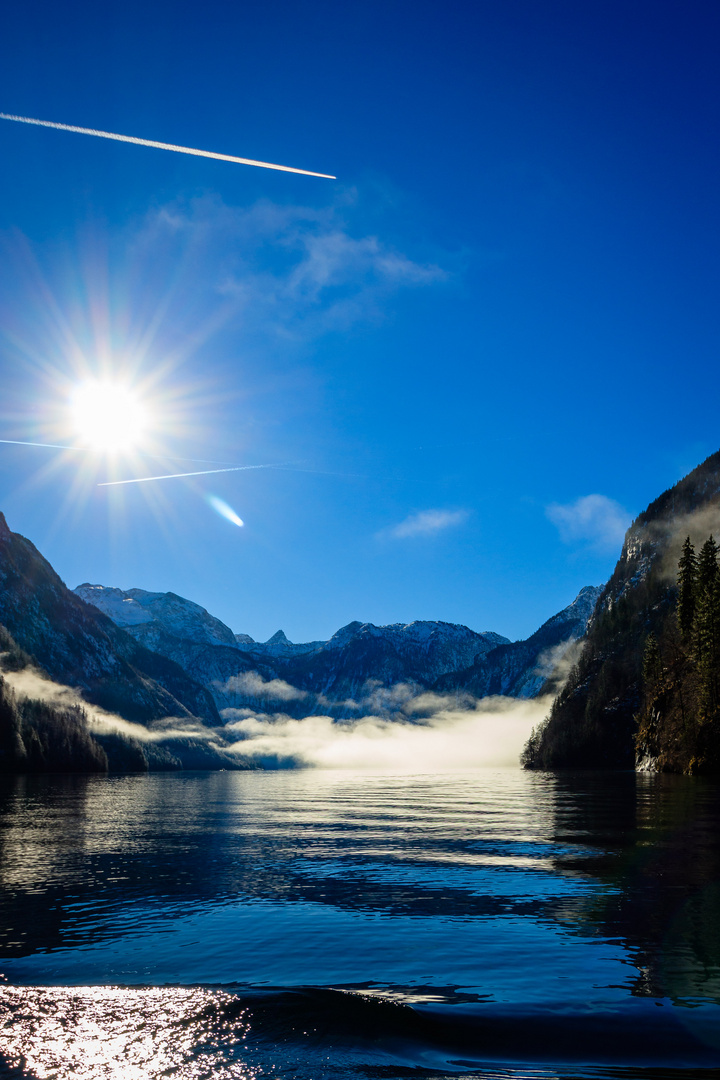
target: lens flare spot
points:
(222, 508)
(108, 416)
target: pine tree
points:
(652, 664)
(707, 566)
(687, 591)
(707, 629)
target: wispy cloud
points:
(250, 684)
(426, 523)
(33, 684)
(594, 520)
(297, 271)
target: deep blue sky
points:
(505, 304)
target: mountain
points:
(182, 632)
(593, 722)
(138, 608)
(326, 674)
(525, 668)
(36, 736)
(336, 676)
(277, 646)
(77, 645)
(361, 656)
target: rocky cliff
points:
(592, 723)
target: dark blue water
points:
(314, 924)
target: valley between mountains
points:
(104, 679)
(101, 678)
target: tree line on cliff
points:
(679, 720)
(36, 736)
(646, 687)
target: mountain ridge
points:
(333, 676)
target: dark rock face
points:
(592, 722)
(417, 653)
(79, 646)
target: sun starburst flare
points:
(108, 416)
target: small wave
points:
(641, 1033)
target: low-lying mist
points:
(489, 732)
(408, 730)
(32, 684)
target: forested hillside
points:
(679, 721)
(641, 684)
(39, 737)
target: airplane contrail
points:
(95, 450)
(177, 475)
(162, 145)
(47, 445)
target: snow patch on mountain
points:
(180, 617)
(124, 610)
(333, 675)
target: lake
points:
(315, 924)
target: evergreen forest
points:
(679, 719)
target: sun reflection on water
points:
(109, 1033)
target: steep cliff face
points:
(592, 722)
(79, 646)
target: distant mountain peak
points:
(123, 609)
(346, 632)
(182, 618)
(278, 638)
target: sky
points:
(464, 365)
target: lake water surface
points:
(312, 924)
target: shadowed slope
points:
(79, 646)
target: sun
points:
(108, 416)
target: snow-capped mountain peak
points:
(180, 617)
(123, 609)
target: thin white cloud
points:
(297, 271)
(427, 523)
(594, 520)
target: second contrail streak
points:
(177, 475)
(162, 145)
